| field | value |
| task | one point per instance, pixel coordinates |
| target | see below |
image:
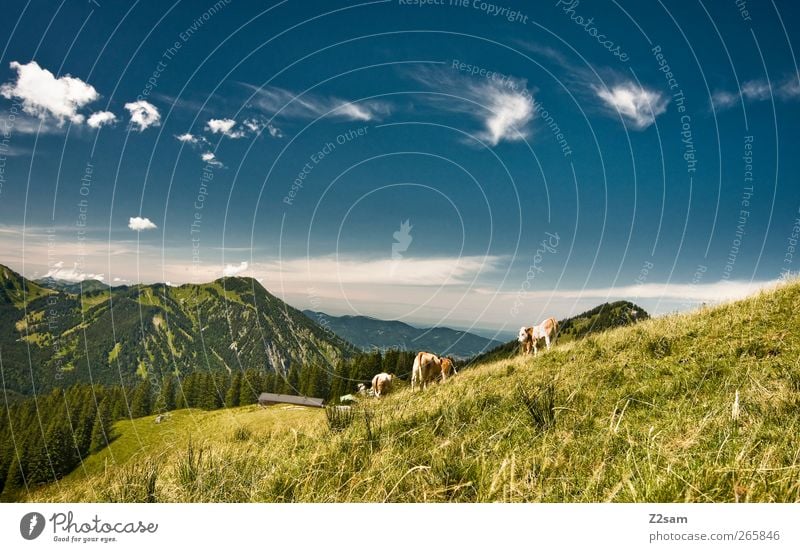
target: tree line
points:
(46, 437)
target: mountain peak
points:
(18, 290)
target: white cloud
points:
(638, 105)
(409, 271)
(187, 138)
(101, 118)
(252, 124)
(58, 272)
(43, 95)
(224, 127)
(233, 270)
(143, 115)
(509, 115)
(287, 104)
(505, 107)
(274, 131)
(138, 224)
(758, 90)
(211, 159)
(712, 292)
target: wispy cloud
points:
(45, 96)
(143, 115)
(254, 124)
(274, 131)
(288, 105)
(14, 151)
(510, 113)
(21, 123)
(180, 103)
(711, 292)
(506, 106)
(409, 271)
(638, 105)
(758, 90)
(723, 100)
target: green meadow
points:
(644, 413)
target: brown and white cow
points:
(530, 336)
(382, 384)
(428, 367)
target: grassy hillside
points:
(599, 319)
(138, 442)
(640, 413)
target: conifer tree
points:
(166, 396)
(234, 390)
(141, 404)
(101, 431)
(60, 449)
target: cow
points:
(428, 367)
(382, 384)
(528, 337)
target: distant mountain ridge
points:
(54, 338)
(86, 286)
(369, 333)
(599, 319)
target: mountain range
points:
(369, 333)
(55, 333)
(53, 337)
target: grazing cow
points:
(530, 336)
(428, 367)
(382, 384)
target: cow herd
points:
(429, 368)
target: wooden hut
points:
(266, 399)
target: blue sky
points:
(547, 158)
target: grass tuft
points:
(541, 406)
(242, 434)
(339, 417)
